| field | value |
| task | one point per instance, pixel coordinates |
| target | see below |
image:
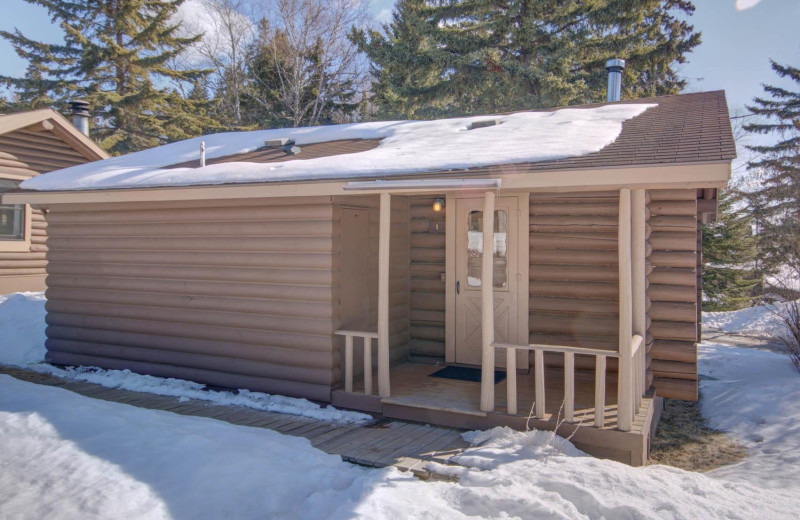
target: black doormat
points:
(467, 374)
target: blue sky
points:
(734, 56)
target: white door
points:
(468, 257)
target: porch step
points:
(411, 402)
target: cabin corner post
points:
(625, 383)
(487, 305)
(639, 287)
(383, 294)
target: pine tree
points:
(451, 57)
(730, 275)
(403, 67)
(116, 56)
(779, 166)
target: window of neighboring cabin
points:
(12, 216)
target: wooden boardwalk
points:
(381, 443)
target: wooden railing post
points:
(625, 387)
(538, 360)
(487, 305)
(600, 391)
(367, 365)
(511, 381)
(383, 295)
(348, 363)
(569, 387)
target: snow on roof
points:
(406, 147)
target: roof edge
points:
(709, 174)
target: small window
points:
(12, 216)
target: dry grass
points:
(683, 440)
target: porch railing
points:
(348, 358)
(634, 392)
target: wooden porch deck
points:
(418, 397)
(413, 386)
(381, 443)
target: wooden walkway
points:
(381, 443)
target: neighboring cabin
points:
(32, 143)
(270, 266)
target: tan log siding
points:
(399, 280)
(573, 280)
(427, 288)
(573, 272)
(398, 275)
(218, 293)
(672, 334)
(29, 153)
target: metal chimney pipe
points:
(614, 68)
(80, 115)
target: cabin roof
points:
(684, 128)
(687, 128)
(45, 129)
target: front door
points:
(469, 258)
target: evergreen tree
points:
(730, 275)
(452, 57)
(779, 166)
(115, 55)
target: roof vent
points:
(79, 109)
(484, 123)
(292, 149)
(614, 68)
(278, 143)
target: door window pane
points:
(475, 248)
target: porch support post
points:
(639, 287)
(487, 305)
(625, 389)
(383, 295)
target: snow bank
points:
(65, 456)
(68, 456)
(755, 396)
(785, 278)
(22, 328)
(406, 147)
(761, 320)
(185, 390)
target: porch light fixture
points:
(438, 205)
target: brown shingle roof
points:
(684, 128)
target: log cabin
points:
(33, 143)
(345, 264)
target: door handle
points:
(458, 287)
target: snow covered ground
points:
(67, 456)
(753, 321)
